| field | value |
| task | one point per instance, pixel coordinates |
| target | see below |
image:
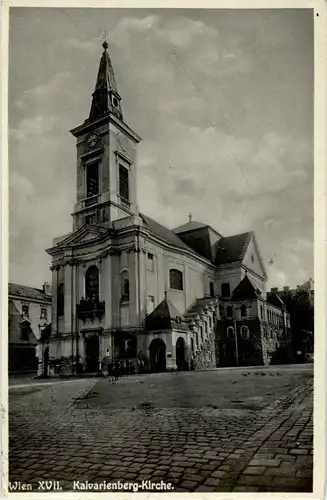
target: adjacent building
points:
(126, 287)
(29, 314)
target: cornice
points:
(20, 298)
(106, 118)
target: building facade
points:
(29, 314)
(125, 287)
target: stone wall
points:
(205, 357)
(274, 344)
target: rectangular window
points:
(92, 180)
(150, 262)
(123, 183)
(44, 313)
(225, 290)
(25, 309)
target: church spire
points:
(105, 96)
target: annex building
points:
(125, 287)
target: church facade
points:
(125, 287)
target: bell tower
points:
(106, 156)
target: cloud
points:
(224, 110)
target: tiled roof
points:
(28, 292)
(245, 290)
(163, 232)
(232, 248)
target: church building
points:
(125, 287)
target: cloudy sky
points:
(222, 99)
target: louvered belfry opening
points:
(92, 180)
(123, 183)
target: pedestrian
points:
(117, 369)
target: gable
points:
(84, 234)
(252, 259)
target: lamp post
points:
(235, 335)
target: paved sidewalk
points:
(196, 449)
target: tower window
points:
(123, 183)
(225, 290)
(92, 282)
(175, 279)
(212, 289)
(92, 180)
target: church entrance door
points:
(158, 355)
(180, 353)
(92, 354)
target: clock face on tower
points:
(92, 140)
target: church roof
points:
(163, 232)
(232, 248)
(165, 317)
(28, 292)
(274, 299)
(189, 226)
(245, 290)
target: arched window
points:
(244, 311)
(92, 283)
(245, 332)
(124, 286)
(229, 311)
(230, 332)
(192, 344)
(201, 333)
(175, 279)
(221, 310)
(212, 289)
(61, 299)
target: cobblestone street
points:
(222, 430)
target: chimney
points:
(274, 290)
(47, 288)
(286, 289)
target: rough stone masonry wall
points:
(272, 338)
(205, 357)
